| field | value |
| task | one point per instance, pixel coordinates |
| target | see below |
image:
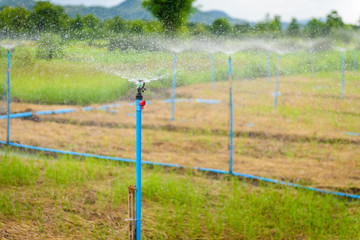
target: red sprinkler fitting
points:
(142, 104)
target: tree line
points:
(46, 17)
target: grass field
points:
(302, 141)
(66, 198)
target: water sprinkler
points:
(212, 58)
(173, 88)
(230, 117)
(342, 74)
(312, 62)
(139, 106)
(9, 97)
(268, 65)
(355, 62)
(276, 93)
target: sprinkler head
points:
(140, 90)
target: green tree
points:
(136, 26)
(48, 17)
(115, 25)
(244, 28)
(172, 14)
(221, 26)
(77, 23)
(315, 28)
(293, 28)
(90, 21)
(275, 25)
(333, 20)
(14, 20)
(197, 29)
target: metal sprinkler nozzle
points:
(140, 90)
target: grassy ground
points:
(301, 141)
(69, 199)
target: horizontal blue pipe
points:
(210, 101)
(71, 153)
(352, 134)
(162, 164)
(296, 185)
(87, 109)
(179, 166)
(211, 170)
(50, 112)
(59, 111)
(17, 115)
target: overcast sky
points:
(255, 10)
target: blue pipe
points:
(213, 71)
(4, 93)
(138, 169)
(9, 100)
(268, 65)
(277, 82)
(231, 118)
(17, 115)
(342, 75)
(173, 88)
(355, 63)
(312, 63)
(71, 153)
(296, 185)
(179, 166)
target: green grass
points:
(61, 197)
(86, 74)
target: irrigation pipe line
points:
(101, 108)
(210, 170)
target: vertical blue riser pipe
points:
(173, 89)
(342, 74)
(312, 62)
(268, 65)
(355, 62)
(138, 169)
(213, 71)
(9, 100)
(277, 82)
(231, 119)
(4, 93)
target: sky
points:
(255, 10)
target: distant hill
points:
(23, 3)
(129, 10)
